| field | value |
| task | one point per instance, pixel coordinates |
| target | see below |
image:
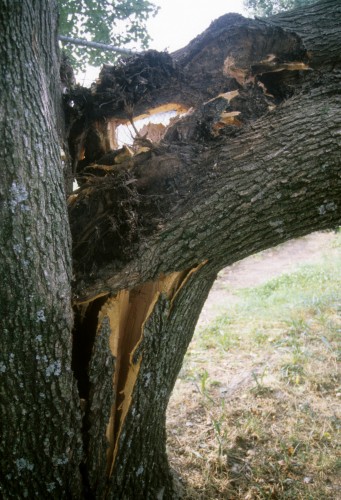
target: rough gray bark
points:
(271, 161)
(240, 173)
(271, 183)
(210, 193)
(40, 446)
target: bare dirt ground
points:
(259, 268)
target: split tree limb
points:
(252, 105)
(254, 162)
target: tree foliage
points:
(115, 22)
(264, 8)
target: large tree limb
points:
(276, 163)
(253, 163)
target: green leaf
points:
(265, 8)
(115, 22)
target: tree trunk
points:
(255, 161)
(40, 446)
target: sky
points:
(177, 23)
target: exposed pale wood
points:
(225, 95)
(127, 313)
(164, 108)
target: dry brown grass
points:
(256, 410)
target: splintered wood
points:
(127, 312)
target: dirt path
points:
(261, 267)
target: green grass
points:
(278, 435)
(285, 308)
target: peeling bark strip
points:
(135, 309)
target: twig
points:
(95, 45)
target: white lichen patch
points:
(23, 464)
(276, 223)
(54, 368)
(61, 460)
(17, 248)
(50, 486)
(147, 378)
(18, 197)
(40, 316)
(327, 207)
(277, 226)
(3, 367)
(140, 470)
